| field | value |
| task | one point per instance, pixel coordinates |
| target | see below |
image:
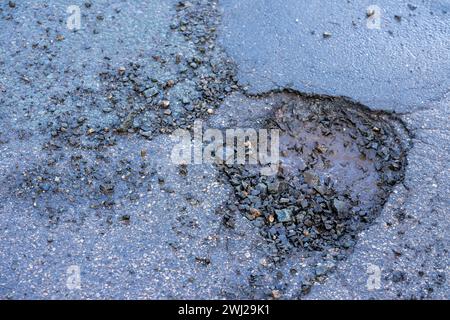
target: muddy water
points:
(330, 152)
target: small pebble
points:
(276, 294)
(165, 104)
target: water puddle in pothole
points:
(338, 165)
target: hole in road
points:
(338, 165)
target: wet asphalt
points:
(111, 202)
(395, 59)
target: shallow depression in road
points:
(338, 164)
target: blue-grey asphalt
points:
(332, 47)
(320, 47)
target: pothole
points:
(338, 165)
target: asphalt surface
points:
(400, 66)
(85, 165)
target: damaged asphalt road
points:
(87, 178)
